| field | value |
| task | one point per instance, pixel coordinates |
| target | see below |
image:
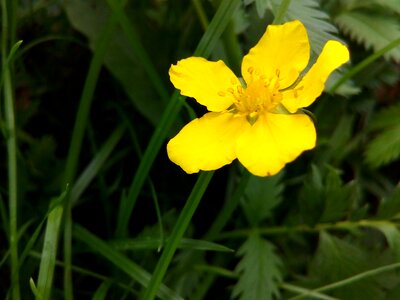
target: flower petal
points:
(273, 141)
(333, 55)
(207, 143)
(206, 81)
(282, 47)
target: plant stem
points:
(228, 208)
(349, 280)
(77, 139)
(177, 233)
(11, 151)
(363, 64)
(281, 12)
(204, 48)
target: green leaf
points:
(336, 260)
(101, 292)
(339, 197)
(390, 206)
(259, 270)
(319, 27)
(89, 17)
(386, 118)
(392, 235)
(393, 5)
(95, 165)
(261, 6)
(374, 31)
(120, 261)
(385, 148)
(49, 252)
(262, 194)
(324, 197)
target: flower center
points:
(260, 95)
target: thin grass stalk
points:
(134, 40)
(119, 260)
(348, 280)
(177, 233)
(363, 64)
(77, 139)
(48, 259)
(11, 147)
(201, 14)
(206, 44)
(228, 208)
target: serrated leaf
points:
(385, 148)
(259, 270)
(324, 197)
(262, 194)
(240, 20)
(386, 117)
(261, 7)
(391, 234)
(319, 28)
(394, 5)
(372, 30)
(336, 260)
(339, 198)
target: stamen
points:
(230, 90)
(277, 72)
(233, 80)
(250, 70)
(221, 93)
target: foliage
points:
(91, 207)
(259, 273)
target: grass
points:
(91, 206)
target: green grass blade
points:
(134, 40)
(177, 233)
(154, 243)
(95, 165)
(297, 289)
(120, 260)
(348, 280)
(48, 260)
(101, 292)
(206, 45)
(8, 34)
(77, 138)
(10, 59)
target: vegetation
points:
(91, 206)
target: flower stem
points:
(228, 208)
(177, 233)
(204, 49)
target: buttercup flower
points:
(258, 119)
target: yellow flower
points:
(257, 121)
